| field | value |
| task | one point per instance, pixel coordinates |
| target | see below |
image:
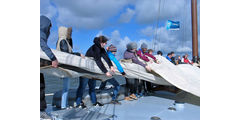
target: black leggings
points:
(42, 93)
(139, 85)
(130, 86)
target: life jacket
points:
(62, 35)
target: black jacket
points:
(96, 51)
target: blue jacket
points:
(112, 58)
(45, 25)
(169, 58)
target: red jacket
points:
(144, 57)
(186, 61)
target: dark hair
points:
(171, 52)
(159, 52)
(102, 39)
(150, 50)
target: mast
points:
(194, 31)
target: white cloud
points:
(127, 16)
(147, 10)
(87, 14)
(148, 31)
(184, 49)
(99, 33)
(47, 9)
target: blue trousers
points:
(65, 89)
(81, 88)
(115, 84)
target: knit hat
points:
(112, 48)
(144, 45)
(131, 45)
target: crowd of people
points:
(135, 88)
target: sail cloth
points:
(74, 66)
(165, 73)
(183, 76)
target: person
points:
(173, 57)
(169, 57)
(45, 26)
(159, 56)
(143, 54)
(111, 51)
(178, 60)
(96, 51)
(150, 51)
(65, 44)
(185, 59)
(159, 53)
(131, 54)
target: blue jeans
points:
(81, 88)
(64, 101)
(115, 84)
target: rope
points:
(155, 33)
(50, 66)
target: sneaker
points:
(140, 95)
(44, 116)
(133, 96)
(128, 99)
(98, 104)
(81, 105)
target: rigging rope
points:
(155, 32)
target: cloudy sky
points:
(122, 21)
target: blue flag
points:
(173, 25)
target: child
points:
(111, 51)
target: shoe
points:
(139, 95)
(128, 99)
(66, 108)
(44, 116)
(98, 104)
(115, 102)
(81, 105)
(133, 96)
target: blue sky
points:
(122, 22)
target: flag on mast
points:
(173, 25)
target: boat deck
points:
(142, 109)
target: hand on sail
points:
(55, 63)
(148, 68)
(112, 69)
(82, 56)
(108, 74)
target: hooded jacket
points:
(63, 43)
(45, 25)
(96, 51)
